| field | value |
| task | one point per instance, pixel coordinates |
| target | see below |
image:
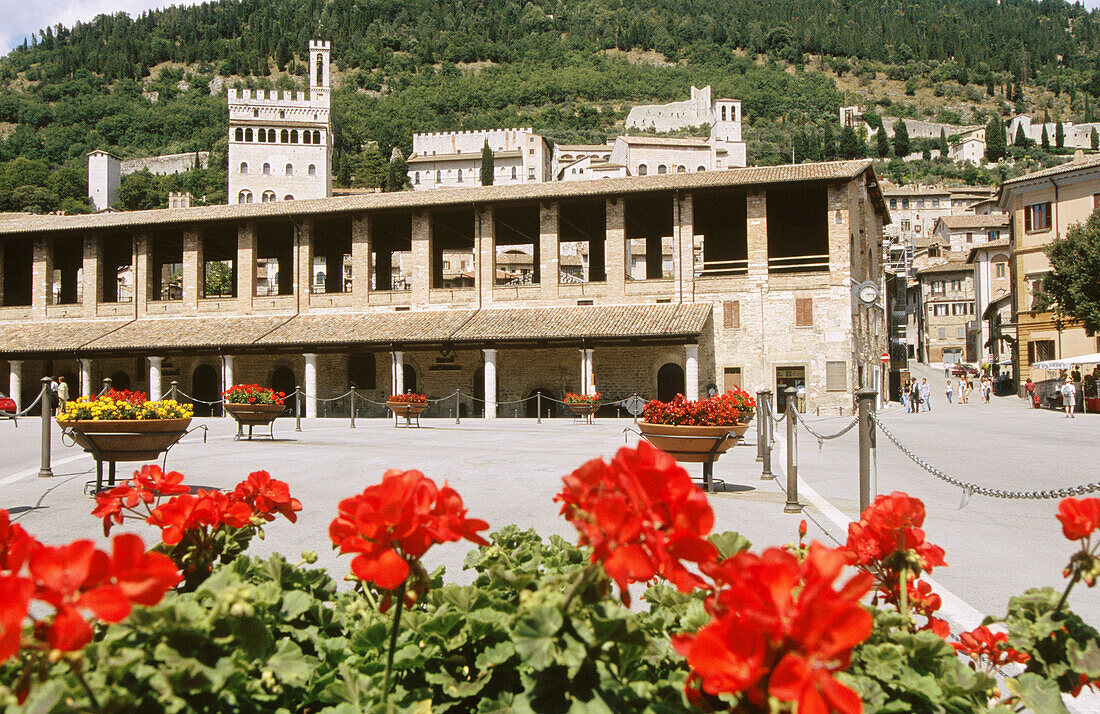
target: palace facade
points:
(654, 286)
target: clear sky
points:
(22, 17)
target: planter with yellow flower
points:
(124, 426)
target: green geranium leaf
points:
(295, 602)
(729, 543)
(290, 665)
(1037, 693)
(494, 655)
(1084, 659)
(534, 636)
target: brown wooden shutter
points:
(803, 312)
(731, 314)
(1027, 218)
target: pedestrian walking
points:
(52, 396)
(1029, 388)
(800, 392)
(914, 396)
(62, 392)
(905, 395)
(949, 391)
(926, 394)
(947, 369)
(1069, 397)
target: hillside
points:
(569, 68)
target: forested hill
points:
(569, 68)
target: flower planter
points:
(690, 444)
(253, 415)
(409, 410)
(583, 410)
(126, 439)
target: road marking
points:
(8, 480)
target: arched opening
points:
(268, 197)
(532, 406)
(306, 138)
(662, 169)
(244, 167)
(239, 135)
(670, 381)
(320, 69)
(479, 392)
(290, 169)
(408, 379)
(282, 380)
(361, 370)
(294, 136)
(120, 380)
(244, 196)
(267, 169)
(285, 136)
(643, 169)
(248, 135)
(317, 137)
(204, 386)
(288, 197)
(312, 171)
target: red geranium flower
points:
(642, 516)
(15, 598)
(993, 646)
(392, 524)
(267, 496)
(1080, 517)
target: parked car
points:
(7, 405)
(962, 370)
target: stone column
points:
(85, 377)
(549, 250)
(15, 382)
(683, 253)
(193, 268)
(310, 386)
(360, 258)
(397, 372)
(246, 266)
(1, 274)
(227, 372)
(155, 392)
(421, 257)
(303, 269)
(93, 286)
(143, 274)
(691, 372)
(486, 254)
(615, 247)
(588, 371)
(757, 233)
(42, 277)
(490, 383)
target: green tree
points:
(34, 199)
(219, 279)
(901, 139)
(1045, 141)
(942, 143)
(140, 191)
(849, 143)
(882, 143)
(1021, 139)
(397, 175)
(370, 169)
(487, 166)
(828, 143)
(1059, 135)
(1071, 288)
(995, 139)
(1094, 139)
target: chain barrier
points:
(26, 411)
(821, 438)
(185, 395)
(972, 488)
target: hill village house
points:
(745, 276)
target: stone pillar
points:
(93, 286)
(397, 372)
(246, 266)
(155, 392)
(1, 274)
(143, 274)
(41, 276)
(549, 250)
(615, 247)
(588, 371)
(421, 257)
(691, 372)
(15, 382)
(490, 383)
(757, 238)
(360, 258)
(227, 372)
(841, 235)
(683, 252)
(85, 378)
(193, 267)
(310, 386)
(486, 254)
(303, 263)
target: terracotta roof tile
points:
(55, 335)
(951, 267)
(585, 321)
(378, 327)
(966, 220)
(756, 175)
(192, 332)
(1088, 162)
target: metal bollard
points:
(538, 397)
(764, 431)
(353, 407)
(868, 487)
(761, 429)
(173, 391)
(297, 409)
(106, 385)
(792, 454)
(47, 408)
(458, 406)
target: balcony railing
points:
(798, 263)
(725, 267)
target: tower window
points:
(244, 168)
(244, 197)
(267, 169)
(416, 179)
(240, 134)
(643, 169)
(312, 170)
(294, 136)
(248, 135)
(290, 169)
(285, 137)
(268, 197)
(316, 137)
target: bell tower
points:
(318, 69)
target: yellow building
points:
(1043, 206)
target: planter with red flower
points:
(407, 405)
(583, 405)
(252, 405)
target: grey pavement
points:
(508, 471)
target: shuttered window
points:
(803, 312)
(731, 314)
(836, 376)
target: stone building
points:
(947, 308)
(996, 337)
(953, 236)
(280, 146)
(1043, 205)
(760, 291)
(452, 159)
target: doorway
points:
(670, 382)
(532, 406)
(408, 379)
(786, 377)
(204, 386)
(282, 380)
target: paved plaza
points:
(508, 471)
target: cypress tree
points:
(942, 143)
(1020, 140)
(1045, 139)
(828, 143)
(1094, 139)
(486, 165)
(882, 143)
(397, 176)
(901, 139)
(849, 143)
(1059, 136)
(995, 139)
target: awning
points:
(1067, 362)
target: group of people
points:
(915, 395)
(59, 393)
(985, 390)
